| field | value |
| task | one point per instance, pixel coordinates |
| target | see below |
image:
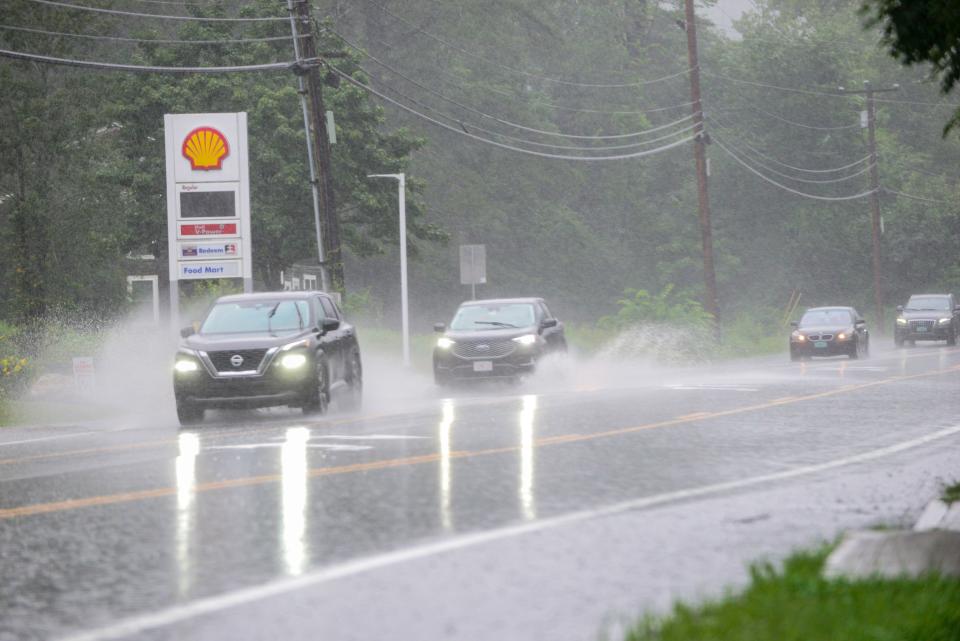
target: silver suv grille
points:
(484, 349)
(926, 324)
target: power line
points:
(461, 132)
(501, 120)
(784, 187)
(805, 180)
(801, 125)
(506, 94)
(529, 74)
(462, 124)
(783, 164)
(53, 3)
(143, 40)
(33, 57)
(912, 197)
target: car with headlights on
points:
(498, 338)
(927, 317)
(267, 349)
(829, 331)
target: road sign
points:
(473, 264)
(208, 199)
(84, 374)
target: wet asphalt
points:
(256, 524)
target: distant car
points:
(829, 331)
(928, 317)
(501, 338)
(273, 348)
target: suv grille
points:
(917, 324)
(251, 360)
(820, 337)
(484, 349)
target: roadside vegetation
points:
(951, 493)
(795, 603)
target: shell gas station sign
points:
(208, 198)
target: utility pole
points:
(310, 67)
(700, 155)
(871, 113)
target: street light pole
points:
(404, 308)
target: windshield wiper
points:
(270, 316)
(497, 323)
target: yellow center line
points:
(126, 497)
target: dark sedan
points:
(829, 331)
(258, 350)
(501, 338)
(928, 317)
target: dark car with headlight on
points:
(500, 338)
(829, 331)
(267, 349)
(928, 317)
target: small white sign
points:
(84, 374)
(208, 250)
(220, 269)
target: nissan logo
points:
(236, 360)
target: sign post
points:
(473, 267)
(208, 200)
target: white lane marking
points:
(720, 387)
(52, 438)
(372, 437)
(243, 596)
(330, 447)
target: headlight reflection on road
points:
(446, 425)
(293, 470)
(527, 415)
(186, 473)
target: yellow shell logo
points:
(205, 148)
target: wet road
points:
(470, 516)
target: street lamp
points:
(404, 313)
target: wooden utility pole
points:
(711, 304)
(330, 221)
(871, 114)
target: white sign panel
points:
(203, 250)
(208, 197)
(219, 269)
(84, 374)
(473, 264)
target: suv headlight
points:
(797, 336)
(444, 343)
(526, 339)
(944, 321)
(185, 365)
(901, 321)
(293, 361)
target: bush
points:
(15, 367)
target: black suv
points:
(928, 317)
(501, 338)
(272, 348)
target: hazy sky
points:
(726, 11)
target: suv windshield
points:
(928, 303)
(256, 316)
(826, 317)
(506, 316)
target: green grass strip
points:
(798, 604)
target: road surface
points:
(555, 509)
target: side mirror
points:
(794, 324)
(957, 308)
(439, 327)
(899, 308)
(329, 324)
(187, 331)
(548, 322)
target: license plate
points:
(820, 344)
(483, 366)
(922, 329)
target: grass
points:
(797, 604)
(951, 494)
